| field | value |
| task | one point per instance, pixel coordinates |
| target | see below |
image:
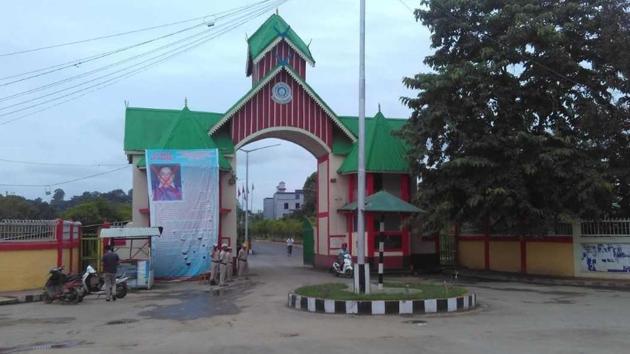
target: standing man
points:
(242, 260)
(223, 264)
(214, 268)
(230, 264)
(290, 245)
(110, 267)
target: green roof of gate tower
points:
(275, 27)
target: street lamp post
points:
(362, 275)
(247, 187)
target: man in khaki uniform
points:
(230, 264)
(242, 260)
(215, 265)
(223, 263)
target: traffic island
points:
(393, 299)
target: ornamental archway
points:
(281, 104)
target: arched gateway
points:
(281, 104)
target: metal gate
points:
(90, 253)
(308, 243)
(447, 249)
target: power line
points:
(24, 51)
(110, 82)
(166, 55)
(65, 182)
(81, 61)
(60, 164)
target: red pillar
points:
(59, 238)
(369, 217)
(71, 245)
(523, 243)
(404, 188)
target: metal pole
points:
(247, 198)
(362, 276)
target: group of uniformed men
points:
(221, 270)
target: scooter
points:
(93, 283)
(62, 287)
(345, 269)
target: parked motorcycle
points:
(62, 287)
(344, 269)
(93, 283)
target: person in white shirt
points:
(290, 245)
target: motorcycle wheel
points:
(46, 298)
(348, 273)
(74, 297)
(121, 291)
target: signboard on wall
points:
(605, 257)
(184, 200)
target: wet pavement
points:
(251, 316)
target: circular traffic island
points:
(395, 298)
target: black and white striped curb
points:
(19, 299)
(383, 307)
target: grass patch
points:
(340, 291)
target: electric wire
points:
(81, 61)
(67, 181)
(64, 44)
(168, 54)
(110, 82)
(36, 163)
(105, 67)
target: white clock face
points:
(281, 93)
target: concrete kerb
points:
(382, 307)
(20, 298)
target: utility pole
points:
(247, 189)
(362, 275)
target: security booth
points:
(133, 246)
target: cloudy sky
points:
(88, 130)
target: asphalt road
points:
(251, 317)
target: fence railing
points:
(27, 230)
(38, 230)
(605, 228)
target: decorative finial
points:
(126, 104)
(379, 108)
(309, 43)
(185, 102)
(277, 11)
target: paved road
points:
(252, 317)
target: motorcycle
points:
(93, 283)
(62, 287)
(344, 269)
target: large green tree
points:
(524, 119)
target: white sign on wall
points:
(605, 257)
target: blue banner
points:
(184, 200)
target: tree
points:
(97, 211)
(15, 207)
(57, 201)
(310, 190)
(525, 119)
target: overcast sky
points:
(90, 129)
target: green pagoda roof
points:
(384, 202)
(171, 129)
(273, 30)
(384, 152)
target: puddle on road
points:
(42, 346)
(197, 304)
(417, 322)
(123, 321)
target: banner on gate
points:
(184, 200)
